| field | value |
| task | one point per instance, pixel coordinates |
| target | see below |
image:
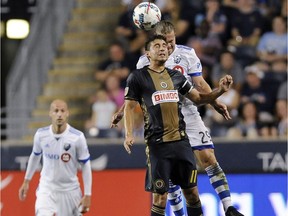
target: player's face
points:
(59, 113)
(171, 41)
(158, 50)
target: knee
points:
(207, 159)
(160, 199)
(191, 195)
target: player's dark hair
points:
(151, 39)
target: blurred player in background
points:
(185, 60)
(63, 148)
(169, 156)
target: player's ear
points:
(147, 53)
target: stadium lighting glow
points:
(17, 29)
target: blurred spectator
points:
(215, 17)
(257, 90)
(206, 44)
(272, 45)
(185, 26)
(102, 111)
(247, 123)
(126, 31)
(170, 10)
(246, 28)
(228, 65)
(278, 71)
(215, 121)
(284, 9)
(282, 118)
(117, 64)
(282, 91)
(114, 90)
(268, 9)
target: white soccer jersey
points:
(185, 60)
(61, 154)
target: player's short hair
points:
(163, 27)
(151, 39)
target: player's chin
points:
(163, 58)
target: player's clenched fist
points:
(225, 83)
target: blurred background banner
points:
(121, 192)
(235, 157)
(252, 194)
(256, 172)
(115, 192)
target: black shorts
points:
(170, 160)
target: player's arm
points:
(198, 98)
(129, 123)
(202, 86)
(87, 181)
(117, 116)
(33, 163)
(83, 154)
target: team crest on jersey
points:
(65, 157)
(67, 146)
(177, 59)
(165, 96)
(163, 85)
(159, 184)
(179, 68)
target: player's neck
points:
(157, 68)
(58, 129)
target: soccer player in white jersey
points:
(62, 148)
(185, 60)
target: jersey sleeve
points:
(142, 62)
(37, 150)
(132, 88)
(83, 154)
(185, 86)
(195, 66)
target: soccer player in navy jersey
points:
(62, 149)
(158, 90)
(185, 60)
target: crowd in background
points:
(244, 38)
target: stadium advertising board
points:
(253, 194)
(248, 157)
(121, 192)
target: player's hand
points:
(116, 118)
(23, 190)
(85, 204)
(129, 141)
(225, 83)
(222, 109)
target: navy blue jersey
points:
(159, 97)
